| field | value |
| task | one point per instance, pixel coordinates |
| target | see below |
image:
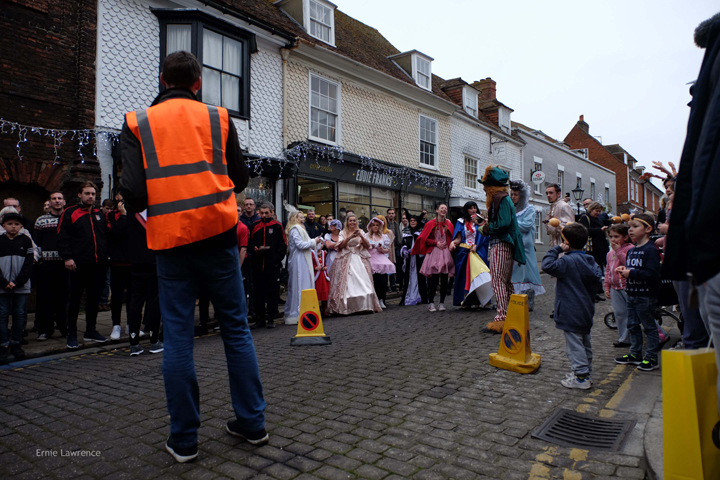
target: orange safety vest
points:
(190, 196)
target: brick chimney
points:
(488, 90)
(583, 126)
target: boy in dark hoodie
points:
(578, 281)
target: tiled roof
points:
(536, 132)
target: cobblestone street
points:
(402, 394)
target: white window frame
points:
(465, 172)
(507, 170)
(417, 73)
(538, 226)
(435, 157)
(561, 177)
(607, 193)
(338, 129)
(592, 190)
(470, 101)
(536, 186)
(308, 20)
(578, 180)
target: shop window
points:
(348, 192)
(382, 199)
(316, 194)
(260, 189)
(413, 203)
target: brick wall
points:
(48, 62)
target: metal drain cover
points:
(578, 430)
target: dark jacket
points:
(691, 243)
(644, 265)
(578, 277)
(134, 189)
(314, 229)
(82, 235)
(600, 245)
(117, 244)
(249, 221)
(16, 261)
(130, 229)
(46, 235)
(270, 234)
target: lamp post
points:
(578, 193)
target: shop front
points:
(337, 188)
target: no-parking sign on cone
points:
(515, 353)
(310, 328)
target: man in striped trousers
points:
(505, 241)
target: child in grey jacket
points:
(578, 281)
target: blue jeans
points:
(640, 312)
(180, 277)
(16, 303)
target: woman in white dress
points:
(351, 283)
(301, 273)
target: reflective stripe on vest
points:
(190, 195)
(155, 171)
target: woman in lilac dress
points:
(379, 262)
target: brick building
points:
(632, 194)
(48, 63)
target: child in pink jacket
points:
(615, 284)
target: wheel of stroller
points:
(610, 321)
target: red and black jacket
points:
(271, 235)
(83, 235)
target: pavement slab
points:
(401, 394)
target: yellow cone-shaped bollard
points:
(515, 352)
(310, 328)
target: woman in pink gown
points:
(435, 242)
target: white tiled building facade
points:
(128, 66)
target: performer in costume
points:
(435, 242)
(382, 267)
(301, 273)
(526, 278)
(505, 241)
(351, 289)
(331, 240)
(472, 283)
(415, 285)
(322, 278)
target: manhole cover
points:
(572, 429)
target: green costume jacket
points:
(503, 225)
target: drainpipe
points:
(280, 183)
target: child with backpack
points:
(578, 281)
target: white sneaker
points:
(441, 307)
(127, 332)
(432, 308)
(42, 337)
(115, 335)
(382, 305)
(574, 382)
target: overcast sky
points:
(622, 64)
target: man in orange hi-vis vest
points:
(182, 162)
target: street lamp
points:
(578, 193)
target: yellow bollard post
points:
(515, 352)
(691, 426)
(310, 328)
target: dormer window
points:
(322, 22)
(316, 16)
(422, 72)
(470, 101)
(417, 65)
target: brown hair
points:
(555, 186)
(645, 219)
(181, 69)
(87, 185)
(576, 235)
(620, 229)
